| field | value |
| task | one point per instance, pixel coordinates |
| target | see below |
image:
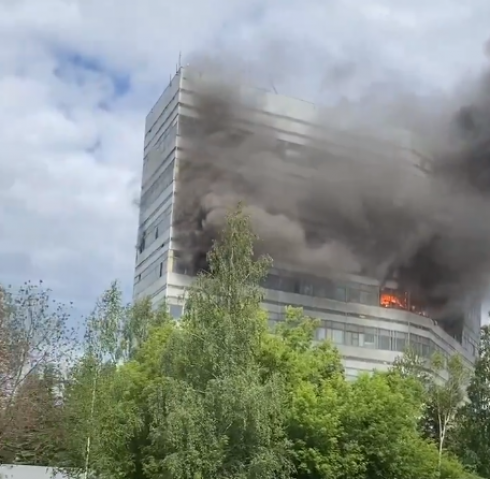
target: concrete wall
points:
(28, 472)
(156, 195)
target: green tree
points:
(442, 389)
(113, 333)
(362, 430)
(190, 399)
(213, 414)
(446, 396)
(472, 438)
(316, 392)
(216, 395)
(35, 344)
(39, 433)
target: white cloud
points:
(77, 77)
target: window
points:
(158, 186)
(279, 283)
(353, 295)
(369, 340)
(384, 342)
(324, 289)
(150, 275)
(340, 294)
(268, 282)
(161, 270)
(286, 284)
(179, 266)
(337, 325)
(320, 334)
(368, 298)
(337, 336)
(399, 344)
(175, 311)
(319, 291)
(142, 243)
(390, 298)
(352, 339)
(166, 138)
(426, 351)
(158, 227)
(306, 288)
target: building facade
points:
(370, 325)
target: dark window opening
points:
(141, 246)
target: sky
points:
(77, 78)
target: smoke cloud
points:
(355, 197)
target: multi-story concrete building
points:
(370, 325)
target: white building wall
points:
(29, 472)
(156, 200)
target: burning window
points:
(390, 298)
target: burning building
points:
(360, 222)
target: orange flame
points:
(388, 300)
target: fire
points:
(400, 300)
(388, 300)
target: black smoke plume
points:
(350, 200)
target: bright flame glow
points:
(388, 300)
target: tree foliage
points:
(472, 435)
(36, 343)
(218, 394)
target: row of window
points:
(166, 139)
(163, 181)
(154, 231)
(347, 292)
(162, 117)
(149, 275)
(375, 338)
(324, 288)
(191, 126)
(350, 334)
(159, 153)
(318, 287)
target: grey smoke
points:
(365, 210)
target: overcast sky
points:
(78, 76)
